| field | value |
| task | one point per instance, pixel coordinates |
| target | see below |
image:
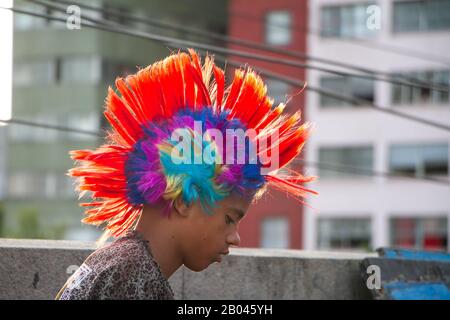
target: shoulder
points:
(105, 271)
(122, 253)
(123, 269)
(132, 273)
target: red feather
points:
(219, 76)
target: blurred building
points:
(276, 220)
(358, 211)
(61, 77)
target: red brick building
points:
(276, 220)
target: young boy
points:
(184, 161)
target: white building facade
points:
(367, 210)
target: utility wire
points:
(398, 79)
(298, 28)
(335, 95)
(218, 50)
(321, 165)
(50, 126)
(333, 167)
(328, 166)
(408, 52)
(367, 172)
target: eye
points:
(228, 220)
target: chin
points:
(197, 267)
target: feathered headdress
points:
(143, 162)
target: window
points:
(349, 21)
(87, 122)
(24, 22)
(275, 233)
(357, 87)
(48, 185)
(65, 69)
(420, 233)
(69, 69)
(111, 13)
(28, 73)
(20, 184)
(56, 24)
(278, 28)
(419, 160)
(278, 90)
(344, 233)
(27, 185)
(67, 185)
(404, 94)
(345, 161)
(421, 15)
(80, 69)
(35, 134)
(113, 69)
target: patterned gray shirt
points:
(124, 269)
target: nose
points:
(234, 239)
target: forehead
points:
(236, 203)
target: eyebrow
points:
(239, 212)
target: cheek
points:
(208, 239)
(201, 253)
(211, 229)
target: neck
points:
(162, 239)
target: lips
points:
(221, 254)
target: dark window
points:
(346, 86)
(419, 160)
(404, 94)
(344, 233)
(348, 21)
(345, 161)
(426, 15)
(419, 233)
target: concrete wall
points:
(37, 269)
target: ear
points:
(181, 207)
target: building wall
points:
(247, 21)
(42, 152)
(376, 198)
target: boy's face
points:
(207, 238)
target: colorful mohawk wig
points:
(142, 162)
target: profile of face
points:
(206, 238)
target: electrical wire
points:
(372, 75)
(218, 50)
